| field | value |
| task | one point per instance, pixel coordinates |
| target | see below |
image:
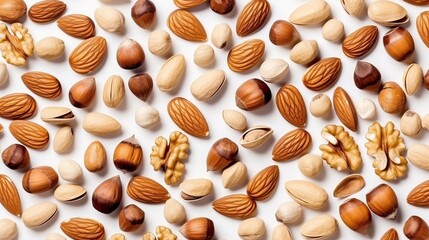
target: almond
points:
(17, 106)
(263, 184)
(188, 117)
(291, 105)
(323, 74)
(360, 42)
(391, 234)
(42, 84)
(345, 109)
(185, 4)
(88, 55)
(185, 25)
(46, 11)
(9, 196)
(29, 133)
(246, 55)
(83, 229)
(238, 206)
(419, 196)
(422, 24)
(293, 144)
(77, 25)
(146, 190)
(252, 17)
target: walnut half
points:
(17, 45)
(386, 146)
(169, 156)
(341, 152)
(162, 233)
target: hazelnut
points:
(411, 123)
(416, 228)
(128, 155)
(130, 54)
(222, 6)
(252, 94)
(143, 13)
(131, 218)
(221, 35)
(82, 93)
(333, 30)
(159, 43)
(141, 85)
(426, 80)
(399, 44)
(39, 179)
(198, 228)
(356, 215)
(367, 76)
(16, 156)
(222, 154)
(382, 201)
(310, 165)
(320, 105)
(204, 56)
(392, 98)
(108, 195)
(284, 33)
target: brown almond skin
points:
(264, 183)
(418, 2)
(29, 133)
(323, 74)
(141, 85)
(399, 44)
(345, 109)
(222, 6)
(222, 154)
(252, 17)
(95, 157)
(146, 190)
(131, 218)
(416, 228)
(108, 195)
(291, 105)
(246, 55)
(252, 94)
(360, 42)
(46, 11)
(83, 229)
(367, 76)
(201, 228)
(16, 106)
(16, 156)
(293, 144)
(88, 55)
(391, 234)
(77, 25)
(143, 13)
(419, 196)
(82, 93)
(185, 25)
(9, 196)
(239, 206)
(39, 179)
(42, 84)
(422, 25)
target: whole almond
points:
(146, 190)
(311, 12)
(42, 84)
(419, 196)
(95, 157)
(293, 144)
(185, 4)
(391, 234)
(264, 183)
(83, 229)
(323, 74)
(46, 11)
(39, 214)
(88, 55)
(252, 17)
(345, 109)
(171, 73)
(9, 196)
(246, 55)
(238, 206)
(100, 124)
(422, 25)
(291, 105)
(29, 133)
(188, 117)
(307, 194)
(360, 42)
(185, 25)
(77, 25)
(17, 106)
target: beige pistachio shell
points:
(196, 189)
(256, 136)
(57, 115)
(70, 170)
(412, 78)
(281, 232)
(235, 119)
(54, 236)
(208, 84)
(274, 70)
(304, 52)
(311, 12)
(100, 124)
(387, 13)
(69, 193)
(321, 227)
(8, 229)
(114, 91)
(349, 186)
(307, 194)
(39, 214)
(171, 73)
(63, 140)
(235, 176)
(174, 212)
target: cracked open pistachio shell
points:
(195, 189)
(311, 12)
(307, 194)
(256, 136)
(412, 78)
(321, 227)
(57, 115)
(69, 193)
(235, 119)
(349, 186)
(274, 70)
(353, 7)
(208, 84)
(39, 214)
(387, 13)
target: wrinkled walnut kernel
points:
(164, 233)
(169, 156)
(386, 146)
(16, 45)
(341, 152)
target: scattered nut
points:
(114, 91)
(128, 155)
(131, 218)
(63, 140)
(8, 229)
(234, 176)
(221, 35)
(310, 165)
(143, 13)
(107, 197)
(130, 54)
(251, 229)
(109, 19)
(284, 33)
(349, 186)
(141, 85)
(204, 56)
(410, 124)
(147, 116)
(256, 136)
(412, 78)
(356, 215)
(95, 157)
(320, 105)
(222, 154)
(392, 98)
(333, 30)
(366, 109)
(281, 232)
(304, 52)
(289, 213)
(17, 45)
(195, 189)
(418, 154)
(174, 212)
(367, 76)
(382, 201)
(319, 227)
(117, 236)
(16, 156)
(235, 119)
(82, 93)
(50, 48)
(4, 74)
(159, 43)
(70, 170)
(274, 70)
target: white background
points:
(196, 165)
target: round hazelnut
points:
(399, 44)
(425, 80)
(367, 76)
(252, 94)
(411, 123)
(356, 215)
(320, 105)
(143, 13)
(222, 6)
(141, 85)
(16, 156)
(159, 43)
(131, 218)
(416, 228)
(284, 33)
(392, 98)
(333, 30)
(222, 154)
(82, 93)
(310, 165)
(130, 54)
(39, 179)
(382, 201)
(204, 55)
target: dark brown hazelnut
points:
(367, 76)
(222, 6)
(426, 80)
(16, 156)
(222, 154)
(82, 93)
(382, 201)
(252, 94)
(130, 54)
(141, 85)
(416, 228)
(392, 98)
(131, 218)
(108, 195)
(284, 33)
(143, 13)
(399, 44)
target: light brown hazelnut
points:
(411, 123)
(252, 94)
(108, 195)
(399, 44)
(392, 98)
(382, 201)
(356, 215)
(39, 179)
(16, 156)
(128, 155)
(284, 33)
(130, 54)
(222, 154)
(416, 228)
(143, 13)
(82, 93)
